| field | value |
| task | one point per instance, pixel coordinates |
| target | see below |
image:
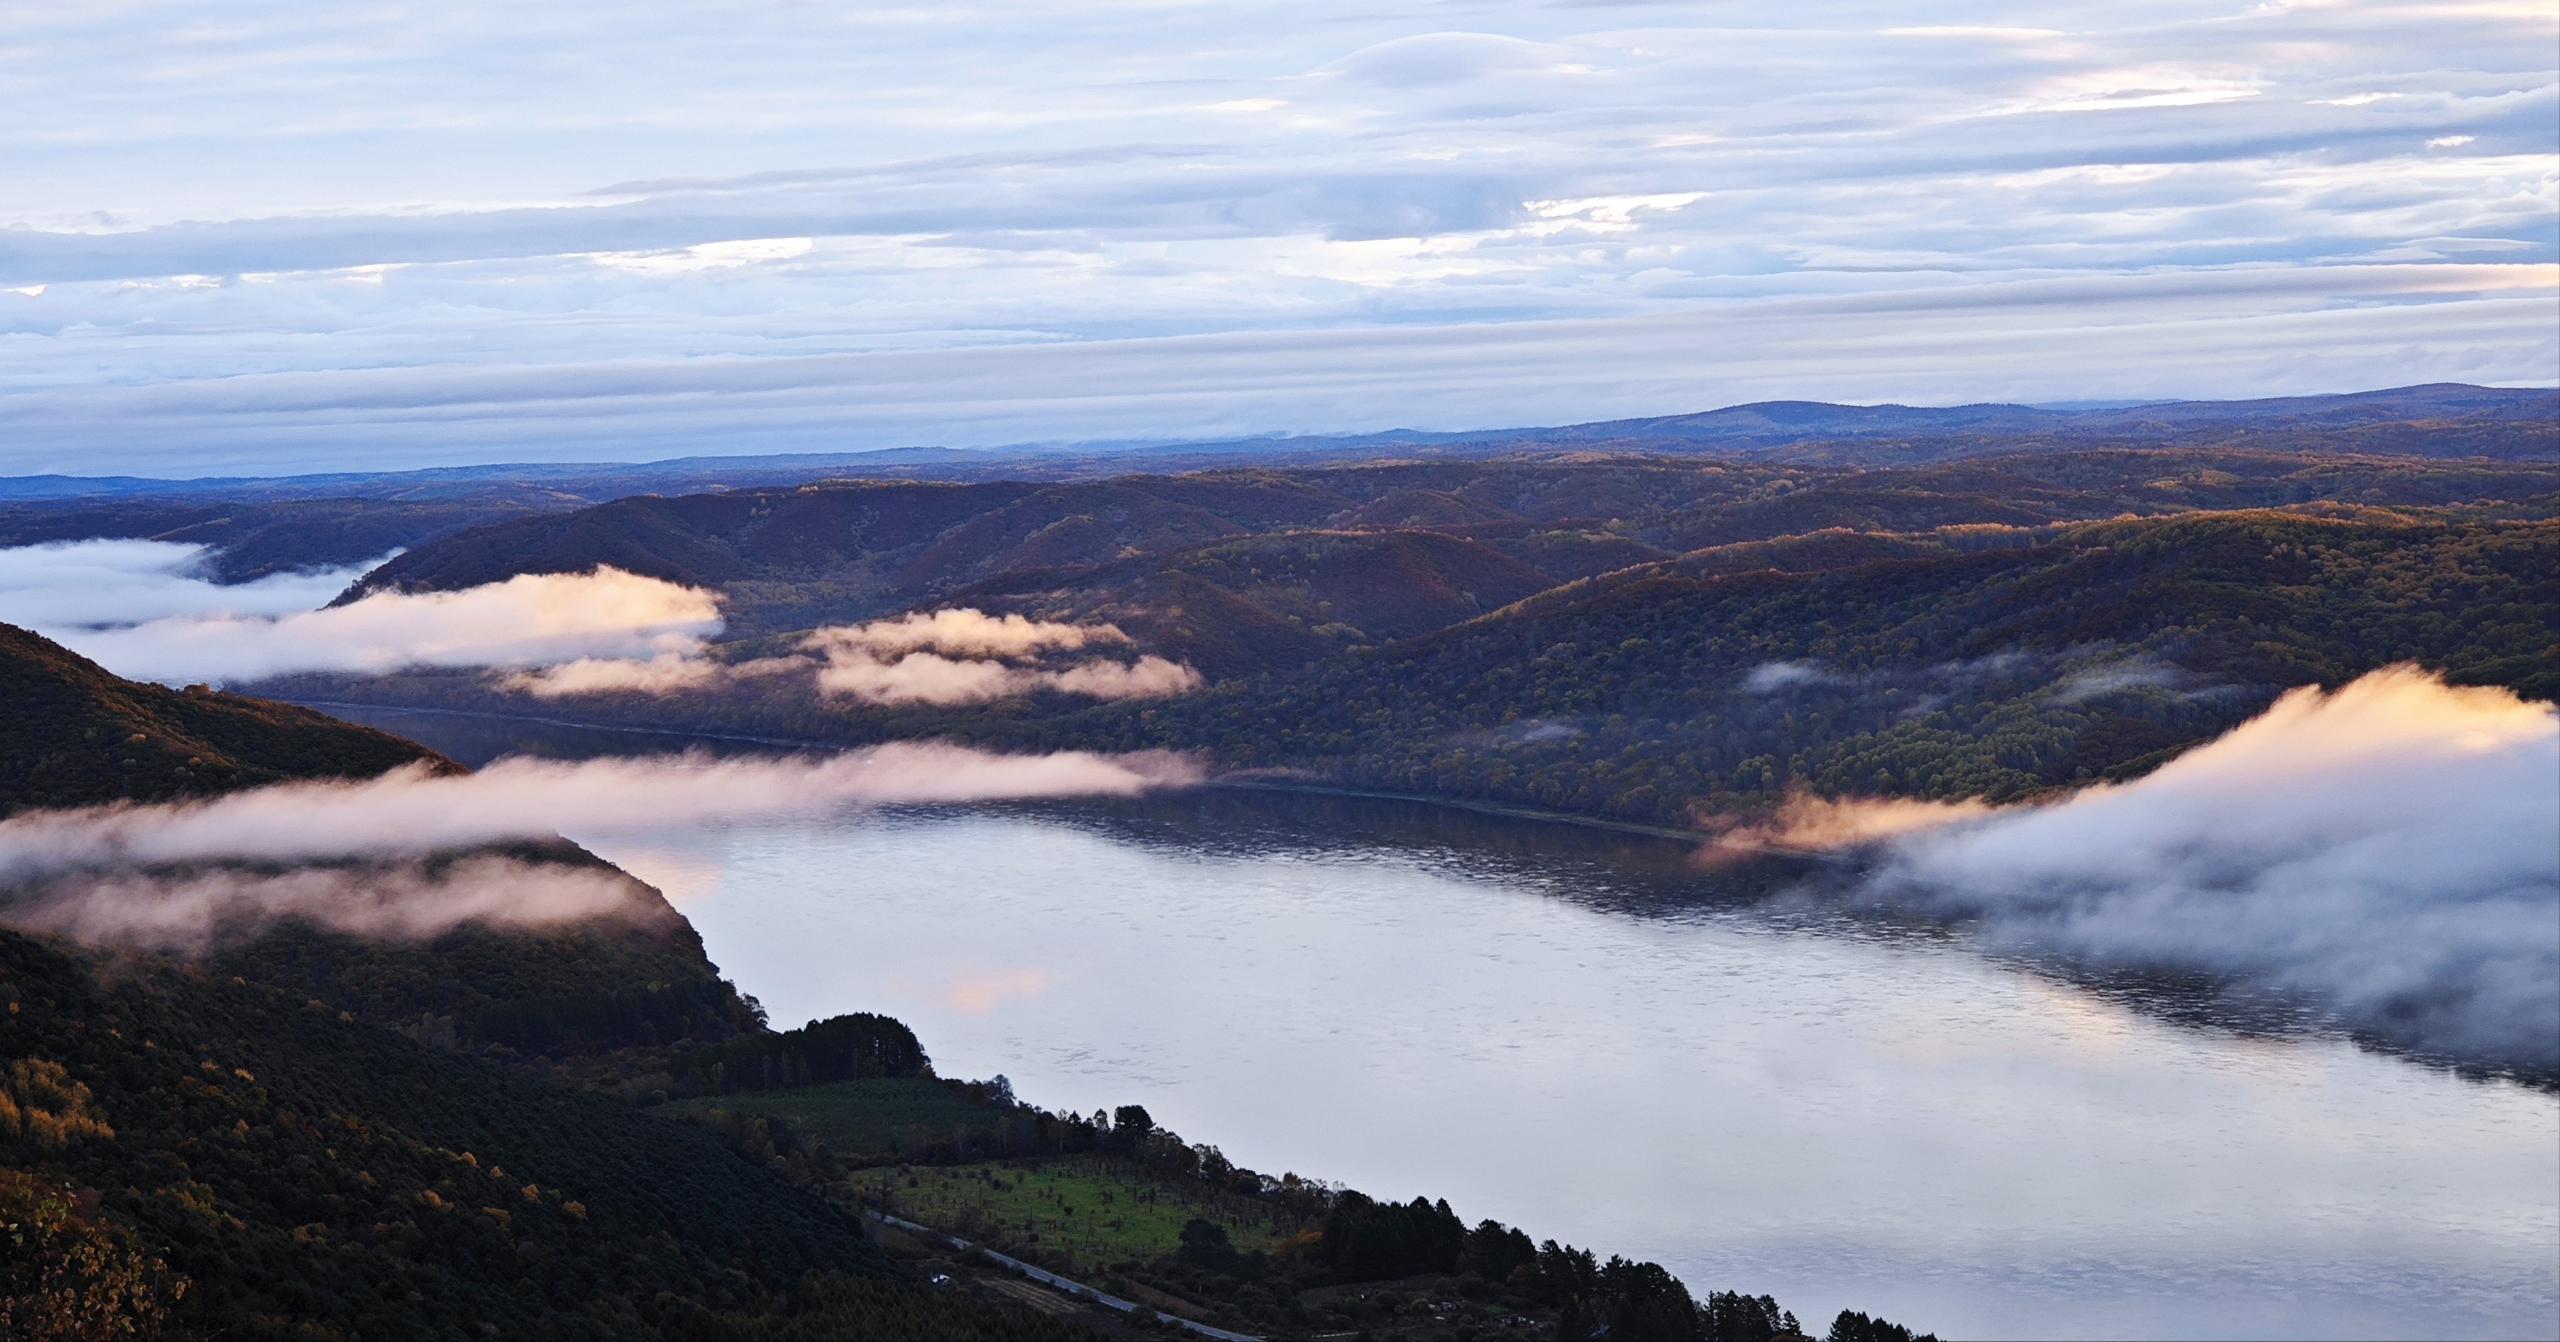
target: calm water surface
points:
(1584, 1034)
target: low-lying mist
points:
(415, 809)
(131, 874)
(951, 656)
(191, 912)
(530, 620)
(88, 584)
(2389, 852)
(143, 609)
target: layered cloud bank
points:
(529, 620)
(678, 232)
(414, 810)
(140, 609)
(964, 656)
(2389, 852)
(72, 585)
(954, 656)
(190, 912)
(137, 875)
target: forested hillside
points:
(255, 528)
(1256, 562)
(74, 735)
(1630, 635)
(1977, 658)
(1987, 669)
(71, 734)
(297, 1132)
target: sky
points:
(262, 237)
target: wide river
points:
(1586, 1034)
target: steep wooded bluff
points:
(300, 1133)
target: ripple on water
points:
(1595, 1041)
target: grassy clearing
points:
(1095, 1211)
(858, 1118)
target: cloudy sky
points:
(267, 236)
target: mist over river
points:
(1585, 1034)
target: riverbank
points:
(1249, 781)
(1322, 983)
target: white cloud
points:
(677, 672)
(966, 631)
(951, 656)
(716, 194)
(192, 913)
(1773, 677)
(414, 810)
(2389, 852)
(528, 620)
(706, 256)
(161, 877)
(97, 583)
(931, 678)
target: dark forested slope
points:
(1321, 590)
(72, 734)
(794, 558)
(250, 539)
(1973, 660)
(302, 1133)
(1954, 665)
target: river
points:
(1587, 1034)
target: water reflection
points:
(1582, 1032)
(1634, 874)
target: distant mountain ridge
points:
(1751, 427)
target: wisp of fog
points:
(192, 911)
(69, 586)
(531, 619)
(2389, 852)
(133, 874)
(952, 656)
(142, 609)
(416, 809)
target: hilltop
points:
(1477, 533)
(263, 525)
(76, 735)
(305, 1133)
(587, 1133)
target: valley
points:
(1508, 671)
(1433, 817)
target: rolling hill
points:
(75, 735)
(305, 1134)
(1957, 664)
(795, 558)
(2432, 420)
(1986, 659)
(272, 525)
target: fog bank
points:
(412, 810)
(71, 585)
(528, 620)
(2389, 852)
(951, 656)
(192, 912)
